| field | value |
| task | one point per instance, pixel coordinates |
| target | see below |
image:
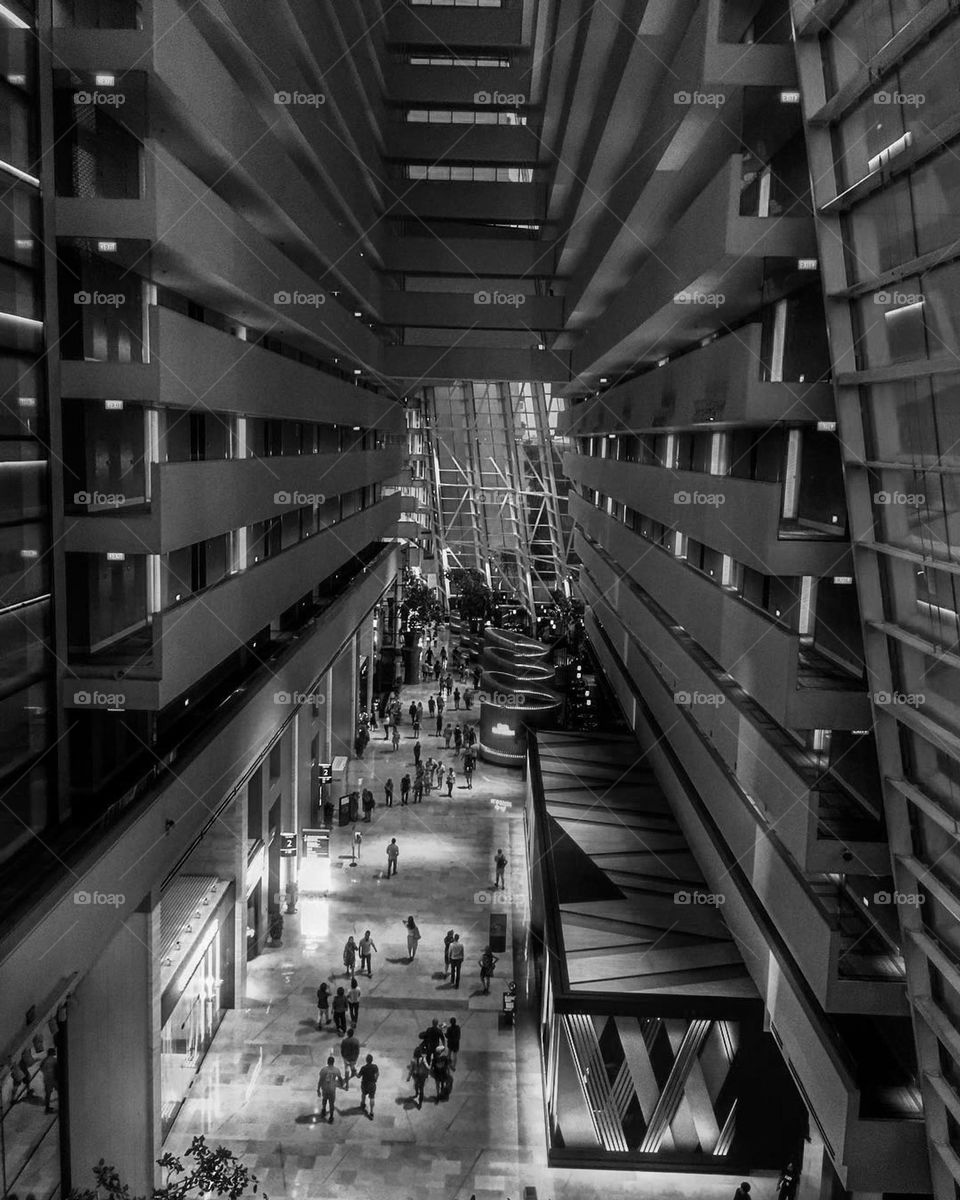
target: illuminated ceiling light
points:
(357, 371)
(662, 362)
(358, 314)
(18, 174)
(7, 14)
(17, 80)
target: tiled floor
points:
(256, 1091)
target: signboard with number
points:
(288, 845)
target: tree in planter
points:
(210, 1173)
(419, 606)
(476, 597)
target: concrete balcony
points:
(707, 272)
(482, 258)
(198, 366)
(762, 655)
(816, 817)
(195, 636)
(486, 308)
(714, 384)
(870, 1152)
(437, 87)
(193, 501)
(745, 524)
(460, 200)
(424, 364)
(495, 144)
(440, 27)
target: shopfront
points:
(197, 972)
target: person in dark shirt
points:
(369, 1074)
(452, 1033)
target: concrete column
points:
(113, 1058)
(342, 708)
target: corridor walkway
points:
(256, 1091)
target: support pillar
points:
(343, 701)
(113, 1058)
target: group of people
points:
(453, 956)
(436, 1054)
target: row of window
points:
(456, 60)
(442, 172)
(463, 116)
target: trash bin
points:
(343, 813)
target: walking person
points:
(428, 776)
(416, 727)
(353, 1002)
(447, 735)
(451, 780)
(468, 764)
(458, 740)
(396, 737)
(500, 862)
(468, 698)
(393, 853)
(323, 1005)
(432, 707)
(452, 1034)
(350, 1053)
(432, 1038)
(368, 804)
(340, 1011)
(456, 699)
(456, 960)
(413, 938)
(439, 732)
(404, 790)
(49, 1074)
(488, 964)
(418, 785)
(388, 794)
(386, 728)
(419, 713)
(412, 710)
(367, 947)
(447, 941)
(742, 1192)
(419, 1072)
(330, 1079)
(440, 1066)
(417, 751)
(787, 1183)
(369, 1074)
(350, 955)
